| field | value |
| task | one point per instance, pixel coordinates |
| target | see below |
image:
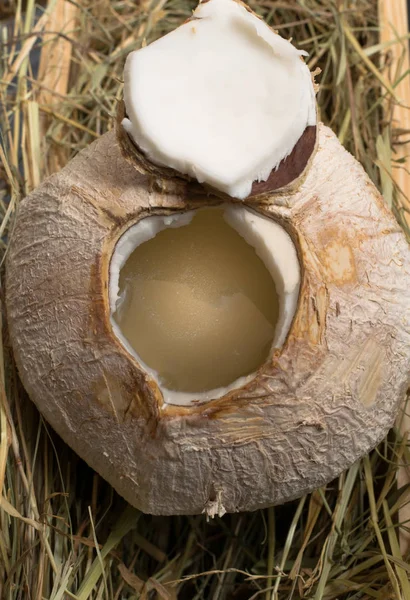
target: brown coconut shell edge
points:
(318, 404)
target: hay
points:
(64, 533)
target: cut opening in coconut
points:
(200, 298)
(222, 98)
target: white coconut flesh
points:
(201, 298)
(223, 98)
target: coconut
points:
(224, 100)
(125, 279)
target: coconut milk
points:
(198, 305)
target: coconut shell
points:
(325, 399)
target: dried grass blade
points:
(395, 548)
(13, 512)
(371, 66)
(338, 517)
(126, 522)
(375, 524)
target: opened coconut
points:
(210, 304)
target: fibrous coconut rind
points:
(325, 399)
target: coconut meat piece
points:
(272, 244)
(223, 98)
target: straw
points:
(64, 533)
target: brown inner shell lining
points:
(290, 168)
